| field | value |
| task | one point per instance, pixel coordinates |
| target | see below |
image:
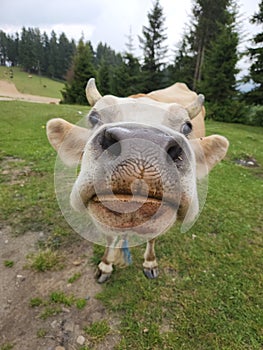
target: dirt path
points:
(21, 325)
(9, 92)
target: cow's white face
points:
(140, 162)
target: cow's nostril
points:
(175, 152)
(111, 143)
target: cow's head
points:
(140, 161)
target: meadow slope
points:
(209, 292)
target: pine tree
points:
(103, 75)
(27, 52)
(53, 52)
(83, 70)
(184, 64)
(152, 44)
(3, 48)
(45, 59)
(65, 52)
(12, 48)
(126, 78)
(206, 19)
(106, 60)
(130, 45)
(208, 16)
(256, 56)
(219, 77)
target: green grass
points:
(81, 303)
(29, 202)
(97, 330)
(9, 263)
(209, 294)
(59, 297)
(36, 85)
(46, 260)
(74, 278)
(7, 347)
(41, 333)
(52, 305)
(35, 302)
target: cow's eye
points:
(94, 118)
(187, 128)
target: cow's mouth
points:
(141, 214)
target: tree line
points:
(206, 60)
(36, 52)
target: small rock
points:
(80, 340)
(64, 309)
(20, 277)
(69, 326)
(60, 348)
(54, 324)
(77, 329)
(6, 241)
(77, 262)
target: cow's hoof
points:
(102, 277)
(151, 273)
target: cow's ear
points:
(67, 139)
(208, 152)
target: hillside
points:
(31, 84)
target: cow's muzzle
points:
(136, 177)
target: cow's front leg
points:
(150, 266)
(105, 267)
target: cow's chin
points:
(132, 214)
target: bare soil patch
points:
(9, 92)
(248, 162)
(21, 324)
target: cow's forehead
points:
(144, 110)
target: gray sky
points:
(105, 20)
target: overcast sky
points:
(105, 20)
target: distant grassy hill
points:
(32, 84)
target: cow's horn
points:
(92, 92)
(195, 107)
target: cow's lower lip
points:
(126, 212)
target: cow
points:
(140, 158)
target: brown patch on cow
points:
(138, 96)
(58, 128)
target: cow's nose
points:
(110, 140)
(112, 137)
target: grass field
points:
(209, 295)
(36, 85)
